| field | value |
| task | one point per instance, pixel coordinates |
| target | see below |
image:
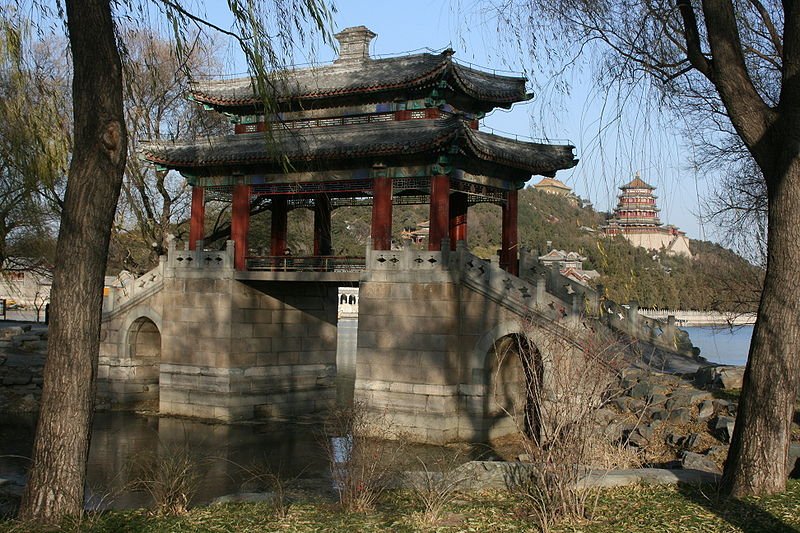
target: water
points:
(227, 456)
(347, 335)
(722, 345)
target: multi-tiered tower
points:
(636, 219)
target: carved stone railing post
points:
(541, 289)
(577, 303)
(633, 314)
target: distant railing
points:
(306, 263)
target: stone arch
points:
(514, 393)
(343, 299)
(508, 376)
(352, 299)
(142, 362)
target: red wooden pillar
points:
(322, 226)
(439, 211)
(279, 226)
(197, 223)
(381, 212)
(240, 224)
(508, 252)
(458, 218)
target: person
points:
(287, 262)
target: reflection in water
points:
(347, 336)
(224, 452)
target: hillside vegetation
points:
(714, 278)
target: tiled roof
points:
(637, 183)
(369, 76)
(552, 182)
(380, 139)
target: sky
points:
(610, 152)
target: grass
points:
(630, 509)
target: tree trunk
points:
(58, 470)
(756, 462)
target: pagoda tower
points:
(636, 218)
(637, 205)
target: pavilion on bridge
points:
(362, 130)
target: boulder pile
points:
(677, 421)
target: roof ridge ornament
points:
(354, 44)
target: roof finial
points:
(354, 43)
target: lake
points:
(722, 344)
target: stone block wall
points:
(423, 358)
(237, 351)
(229, 350)
(426, 345)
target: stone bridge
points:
(195, 337)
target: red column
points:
(279, 226)
(508, 252)
(197, 223)
(240, 224)
(458, 218)
(439, 211)
(382, 213)
(322, 226)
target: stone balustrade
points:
(149, 283)
(200, 259)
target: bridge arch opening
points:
(515, 387)
(144, 360)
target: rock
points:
(9, 332)
(680, 416)
(641, 391)
(706, 376)
(622, 403)
(635, 438)
(659, 414)
(645, 390)
(605, 416)
(673, 439)
(695, 461)
(730, 377)
(636, 405)
(658, 399)
(244, 497)
(633, 373)
(706, 410)
(724, 428)
(678, 400)
(691, 441)
(721, 405)
(646, 431)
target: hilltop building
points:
(636, 219)
(553, 186)
(569, 264)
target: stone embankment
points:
(677, 421)
(22, 356)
